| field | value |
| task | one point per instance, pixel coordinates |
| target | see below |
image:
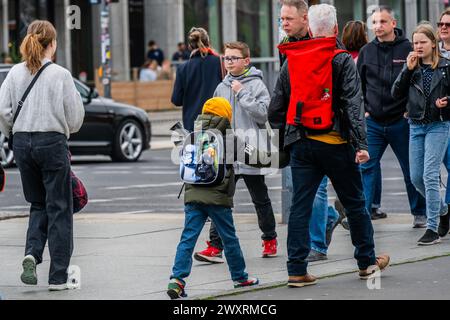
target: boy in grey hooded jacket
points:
(249, 97)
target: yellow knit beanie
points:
(218, 106)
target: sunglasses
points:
(441, 24)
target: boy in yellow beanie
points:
(213, 201)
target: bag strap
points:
(21, 102)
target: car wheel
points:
(129, 142)
(6, 155)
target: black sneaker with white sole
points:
(429, 238)
(444, 225)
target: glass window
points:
(255, 26)
(398, 8)
(205, 14)
(422, 10)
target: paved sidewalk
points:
(130, 256)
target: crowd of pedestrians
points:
(338, 104)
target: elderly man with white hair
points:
(335, 151)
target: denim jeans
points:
(310, 162)
(45, 172)
(427, 147)
(323, 218)
(376, 201)
(447, 166)
(263, 206)
(195, 218)
(379, 137)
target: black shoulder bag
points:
(20, 104)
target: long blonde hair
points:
(40, 34)
(428, 31)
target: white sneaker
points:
(62, 287)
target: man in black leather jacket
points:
(336, 155)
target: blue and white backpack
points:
(202, 158)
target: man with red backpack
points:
(318, 99)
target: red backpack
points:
(311, 78)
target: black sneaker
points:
(316, 256)
(444, 226)
(377, 214)
(429, 238)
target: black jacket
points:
(196, 81)
(348, 104)
(379, 64)
(409, 85)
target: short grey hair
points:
(322, 20)
(385, 8)
(301, 5)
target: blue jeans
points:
(45, 173)
(427, 147)
(323, 218)
(311, 161)
(396, 135)
(376, 202)
(196, 215)
(447, 166)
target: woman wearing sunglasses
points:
(444, 45)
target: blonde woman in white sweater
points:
(52, 111)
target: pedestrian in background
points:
(444, 46)
(424, 82)
(155, 53)
(51, 112)
(149, 71)
(198, 78)
(379, 63)
(354, 37)
(182, 54)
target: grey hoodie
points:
(249, 111)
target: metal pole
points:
(5, 32)
(106, 48)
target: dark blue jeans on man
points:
(310, 162)
(396, 135)
(43, 162)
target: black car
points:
(109, 128)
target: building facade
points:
(135, 22)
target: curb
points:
(279, 284)
(13, 216)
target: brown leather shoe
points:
(301, 281)
(381, 263)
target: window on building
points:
(422, 10)
(137, 37)
(255, 26)
(398, 7)
(20, 14)
(205, 14)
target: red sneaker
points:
(270, 248)
(210, 254)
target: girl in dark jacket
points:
(424, 80)
(198, 78)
